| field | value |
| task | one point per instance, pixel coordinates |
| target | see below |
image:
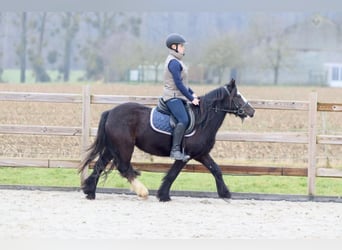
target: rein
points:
(237, 111)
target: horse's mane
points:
(207, 102)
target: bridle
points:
(238, 111)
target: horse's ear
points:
(233, 86)
(232, 82)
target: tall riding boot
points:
(177, 138)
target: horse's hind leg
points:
(89, 185)
(139, 188)
(126, 170)
(124, 151)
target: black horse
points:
(128, 125)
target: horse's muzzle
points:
(249, 110)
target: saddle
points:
(163, 121)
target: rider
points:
(177, 92)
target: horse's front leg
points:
(163, 193)
(215, 170)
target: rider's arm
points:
(176, 68)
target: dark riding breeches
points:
(177, 108)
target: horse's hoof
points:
(228, 200)
(144, 196)
(226, 195)
(139, 188)
(143, 193)
(90, 196)
(164, 199)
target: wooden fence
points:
(309, 137)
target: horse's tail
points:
(99, 144)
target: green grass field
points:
(185, 181)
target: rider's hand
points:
(195, 101)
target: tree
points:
(2, 49)
(22, 48)
(222, 54)
(38, 24)
(70, 24)
(107, 28)
(32, 43)
(277, 51)
(149, 56)
(268, 35)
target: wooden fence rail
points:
(309, 137)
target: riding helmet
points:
(174, 38)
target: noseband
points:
(238, 111)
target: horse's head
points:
(238, 105)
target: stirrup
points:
(178, 155)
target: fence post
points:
(312, 143)
(85, 126)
